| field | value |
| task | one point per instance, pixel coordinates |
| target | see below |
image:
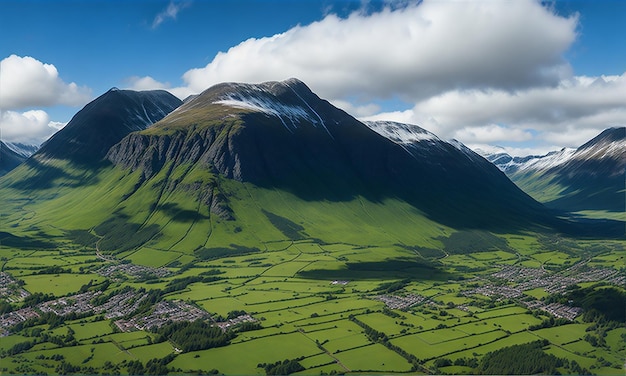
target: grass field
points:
(375, 357)
(58, 284)
(301, 267)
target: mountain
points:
(25, 150)
(589, 178)
(9, 159)
(245, 168)
(105, 121)
(281, 135)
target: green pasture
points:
(513, 339)
(265, 332)
(463, 262)
(201, 291)
(153, 257)
(615, 340)
(434, 337)
(325, 369)
(291, 309)
(95, 355)
(145, 353)
(316, 361)
(37, 260)
(513, 323)
(287, 269)
(537, 293)
(127, 337)
(10, 341)
(88, 330)
(253, 297)
(384, 323)
(222, 306)
(494, 256)
(504, 311)
(555, 258)
(531, 263)
(375, 357)
(615, 259)
(475, 327)
(310, 248)
(560, 352)
(342, 305)
(581, 347)
(423, 350)
(338, 336)
(242, 358)
(296, 285)
(58, 284)
(563, 334)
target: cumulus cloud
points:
(568, 114)
(414, 51)
(168, 13)
(27, 82)
(481, 72)
(149, 83)
(30, 127)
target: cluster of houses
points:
(10, 290)
(135, 271)
(400, 301)
(555, 309)
(163, 312)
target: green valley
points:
(354, 286)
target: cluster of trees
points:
(526, 359)
(549, 323)
(389, 287)
(600, 304)
(53, 270)
(152, 367)
(286, 367)
(193, 336)
(220, 252)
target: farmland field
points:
(338, 307)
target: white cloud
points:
(513, 151)
(568, 114)
(414, 51)
(492, 133)
(168, 13)
(30, 127)
(27, 82)
(149, 83)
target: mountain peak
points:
(105, 121)
(610, 135)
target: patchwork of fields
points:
(313, 305)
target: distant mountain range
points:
(589, 178)
(244, 164)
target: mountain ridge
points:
(282, 135)
(590, 177)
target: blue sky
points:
(525, 75)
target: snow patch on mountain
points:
(24, 150)
(401, 133)
(293, 114)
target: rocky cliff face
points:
(280, 135)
